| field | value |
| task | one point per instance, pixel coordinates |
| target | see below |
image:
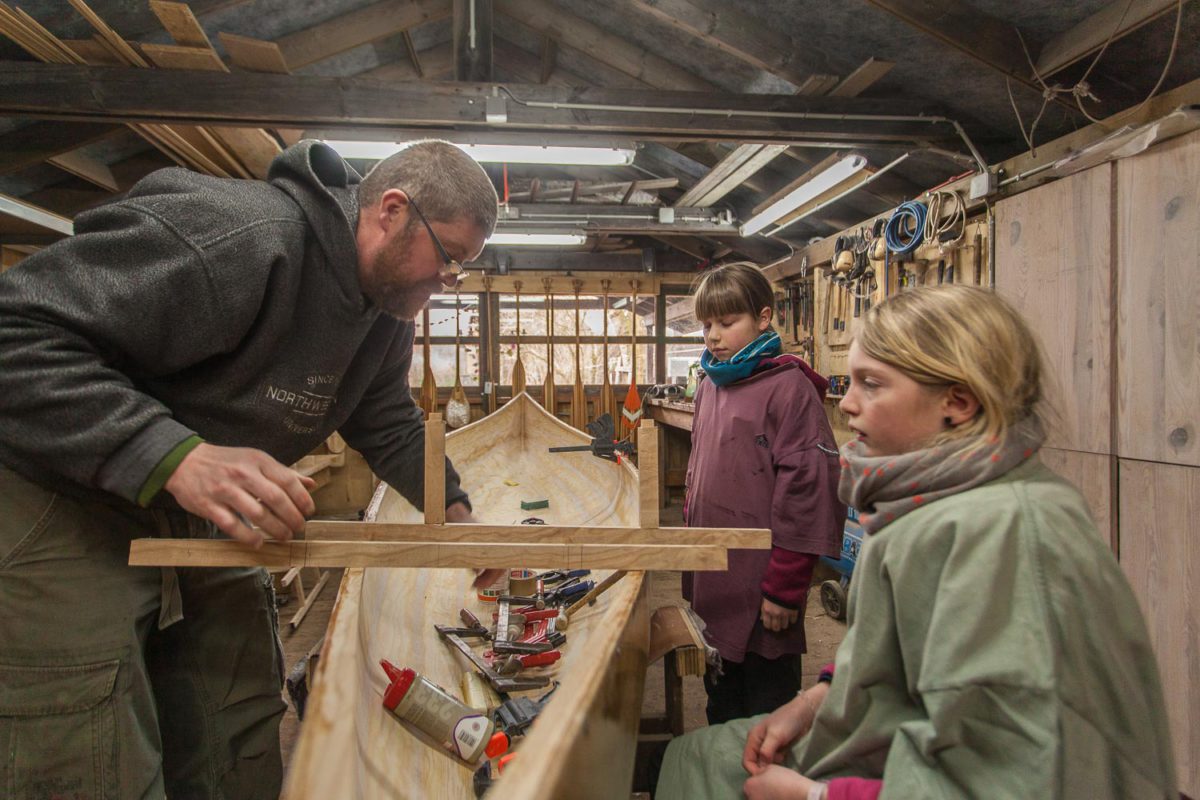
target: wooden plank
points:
(549, 58)
(858, 81)
(107, 93)
(86, 167)
(1158, 256)
(437, 64)
(173, 56)
(736, 33)
(1160, 555)
(471, 37)
(370, 24)
(749, 538)
(254, 55)
(670, 416)
(108, 34)
(1094, 475)
(228, 553)
(93, 51)
(731, 172)
(181, 23)
(549, 19)
(1115, 20)
(1054, 263)
(308, 601)
(411, 48)
(39, 141)
(435, 469)
(648, 474)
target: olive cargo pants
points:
(103, 694)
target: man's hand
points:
(777, 618)
(777, 783)
(767, 741)
(232, 485)
(458, 512)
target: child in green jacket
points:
(994, 647)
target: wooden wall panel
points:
(1160, 553)
(1158, 351)
(1094, 475)
(1054, 262)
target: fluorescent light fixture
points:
(819, 184)
(528, 239)
(500, 153)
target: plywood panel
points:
(1158, 352)
(1054, 262)
(1160, 553)
(1093, 475)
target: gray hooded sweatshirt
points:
(227, 309)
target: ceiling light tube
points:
(810, 189)
(537, 239)
(499, 153)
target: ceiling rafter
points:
(366, 25)
(1118, 19)
(733, 31)
(614, 51)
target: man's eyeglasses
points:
(453, 271)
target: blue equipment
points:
(833, 592)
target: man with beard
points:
(160, 368)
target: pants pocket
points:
(28, 510)
(58, 731)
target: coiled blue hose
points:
(906, 228)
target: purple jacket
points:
(763, 456)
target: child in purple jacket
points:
(763, 456)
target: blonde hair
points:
(945, 335)
(735, 288)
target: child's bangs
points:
(721, 298)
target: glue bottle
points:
(466, 732)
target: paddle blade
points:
(631, 412)
(518, 377)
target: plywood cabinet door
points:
(1158, 351)
(1093, 475)
(1054, 263)
(1160, 553)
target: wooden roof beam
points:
(472, 40)
(726, 27)
(40, 141)
(87, 168)
(259, 99)
(1116, 20)
(547, 18)
(18, 216)
(730, 173)
(370, 24)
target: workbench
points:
(675, 417)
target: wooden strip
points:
(647, 452)
(309, 600)
(173, 56)
(1116, 20)
(254, 55)
(17, 30)
(94, 52)
(736, 538)
(435, 469)
(39, 141)
(14, 207)
(47, 37)
(179, 21)
(857, 82)
(229, 553)
(108, 34)
(353, 29)
(87, 168)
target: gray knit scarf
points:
(885, 488)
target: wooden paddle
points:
(518, 373)
(458, 410)
(631, 413)
(428, 386)
(608, 404)
(548, 387)
(579, 412)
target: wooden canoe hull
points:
(583, 743)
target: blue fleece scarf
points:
(743, 362)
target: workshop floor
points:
(824, 636)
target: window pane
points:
(442, 356)
(533, 357)
(679, 358)
(681, 319)
(620, 357)
(442, 316)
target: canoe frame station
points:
(438, 544)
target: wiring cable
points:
(937, 229)
(906, 227)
